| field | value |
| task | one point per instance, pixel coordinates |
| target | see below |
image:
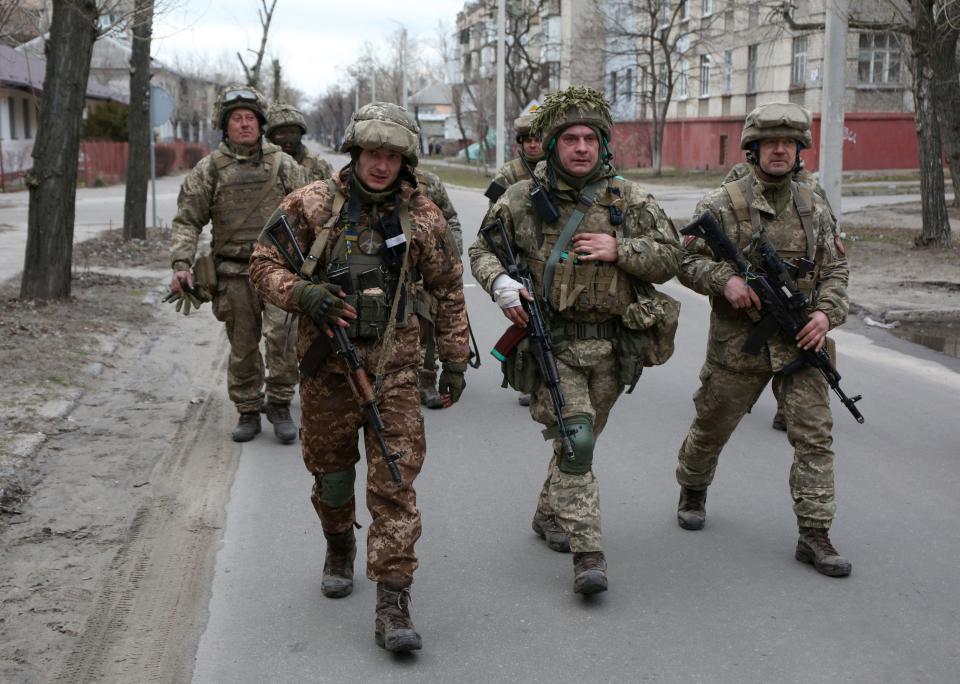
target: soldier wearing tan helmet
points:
(286, 127)
(768, 202)
(235, 189)
(530, 154)
(372, 233)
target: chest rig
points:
(591, 292)
(367, 262)
(247, 194)
(796, 244)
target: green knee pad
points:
(581, 435)
(336, 489)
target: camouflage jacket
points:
(429, 252)
(512, 172)
(431, 185)
(200, 196)
(741, 169)
(827, 286)
(648, 249)
(316, 167)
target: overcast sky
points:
(312, 38)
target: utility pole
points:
(373, 85)
(501, 81)
(403, 66)
(831, 102)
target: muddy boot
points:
(814, 547)
(692, 509)
(524, 400)
(247, 428)
(779, 422)
(427, 379)
(394, 629)
(283, 426)
(589, 573)
(338, 565)
(547, 527)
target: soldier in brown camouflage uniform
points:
(797, 221)
(592, 269)
(431, 185)
(370, 214)
(236, 188)
(286, 128)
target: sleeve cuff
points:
(180, 265)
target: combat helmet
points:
(569, 107)
(238, 96)
(282, 114)
(383, 124)
(522, 125)
(776, 120)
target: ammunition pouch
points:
(648, 328)
(205, 277)
(520, 369)
(373, 314)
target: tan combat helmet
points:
(569, 107)
(777, 120)
(238, 96)
(521, 126)
(281, 114)
(383, 124)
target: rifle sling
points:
(576, 218)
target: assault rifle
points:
(784, 305)
(281, 235)
(537, 329)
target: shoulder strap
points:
(576, 218)
(264, 189)
(401, 291)
(803, 199)
(316, 249)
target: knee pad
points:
(581, 436)
(336, 489)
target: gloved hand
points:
(506, 291)
(321, 301)
(452, 382)
(187, 298)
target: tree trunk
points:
(948, 104)
(138, 153)
(936, 226)
(53, 179)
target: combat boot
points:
(523, 399)
(248, 427)
(589, 573)
(283, 425)
(692, 509)
(547, 527)
(394, 629)
(337, 579)
(779, 422)
(814, 547)
(427, 380)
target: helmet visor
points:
(242, 95)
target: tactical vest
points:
(237, 225)
(587, 291)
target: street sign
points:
(161, 106)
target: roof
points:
(435, 93)
(18, 70)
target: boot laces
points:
(819, 538)
(591, 560)
(693, 499)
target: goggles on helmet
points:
(239, 96)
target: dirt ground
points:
(107, 395)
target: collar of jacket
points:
(247, 152)
(367, 197)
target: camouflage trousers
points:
(725, 396)
(248, 318)
(331, 420)
(590, 386)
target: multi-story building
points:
(728, 57)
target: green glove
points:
(321, 301)
(185, 301)
(452, 381)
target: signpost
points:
(161, 109)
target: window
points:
(613, 86)
(728, 19)
(706, 8)
(727, 71)
(752, 69)
(798, 75)
(682, 91)
(662, 83)
(753, 15)
(704, 75)
(879, 58)
(684, 10)
(628, 86)
(27, 132)
(12, 111)
(665, 14)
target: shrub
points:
(194, 153)
(107, 121)
(166, 159)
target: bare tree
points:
(523, 53)
(138, 152)
(252, 72)
(277, 80)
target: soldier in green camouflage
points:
(591, 268)
(797, 221)
(235, 189)
(286, 128)
(425, 306)
(371, 227)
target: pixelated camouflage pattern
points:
(316, 167)
(430, 184)
(383, 124)
(281, 114)
(220, 110)
(331, 420)
(648, 252)
(802, 176)
(777, 120)
(512, 172)
(246, 318)
(430, 252)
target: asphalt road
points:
(726, 604)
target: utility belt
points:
(607, 330)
